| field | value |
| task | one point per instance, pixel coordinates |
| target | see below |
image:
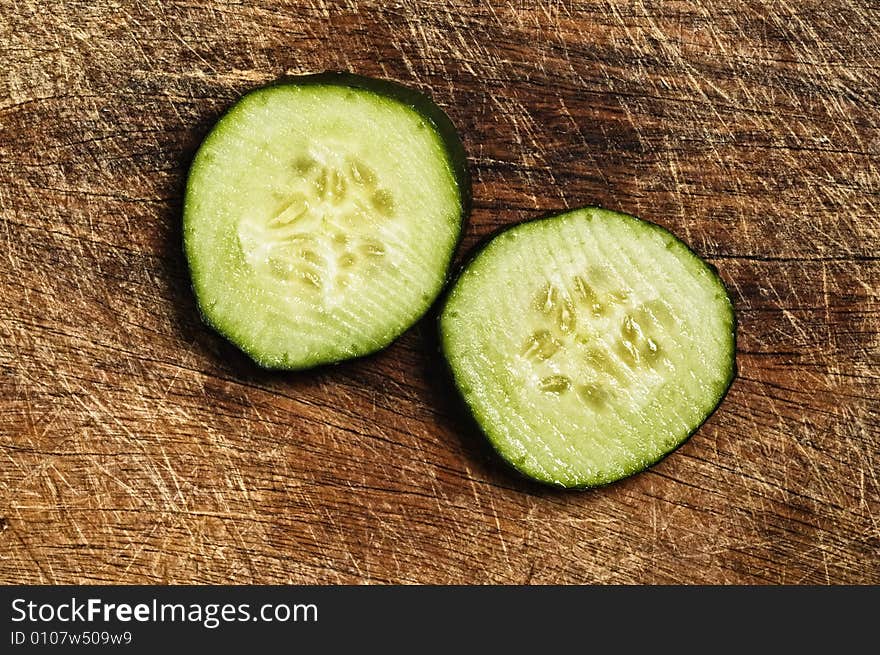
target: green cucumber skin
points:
(417, 101)
(732, 372)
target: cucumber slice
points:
(320, 217)
(588, 345)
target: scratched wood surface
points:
(139, 447)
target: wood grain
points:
(137, 446)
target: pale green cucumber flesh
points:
(588, 345)
(320, 219)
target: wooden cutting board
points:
(139, 447)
